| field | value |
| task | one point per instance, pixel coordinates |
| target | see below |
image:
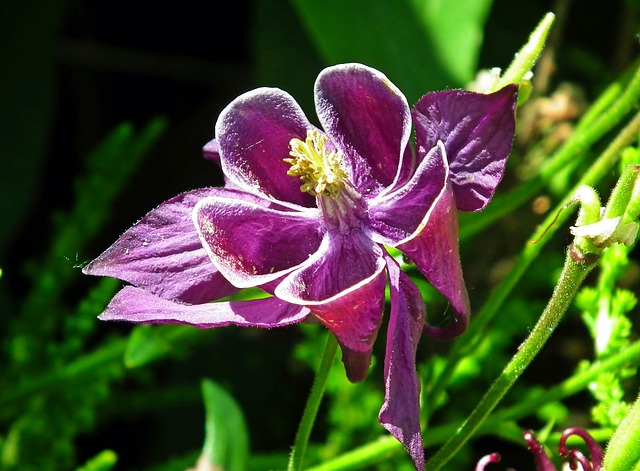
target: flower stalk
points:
(500, 293)
(313, 404)
(527, 57)
(384, 447)
(571, 278)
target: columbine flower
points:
(543, 463)
(305, 215)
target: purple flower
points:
(305, 216)
(543, 463)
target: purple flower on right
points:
(543, 463)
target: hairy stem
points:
(499, 294)
(313, 403)
(376, 451)
(573, 274)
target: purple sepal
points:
(211, 151)
(435, 253)
(163, 254)
(400, 413)
(477, 131)
(141, 307)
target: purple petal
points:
(343, 285)
(253, 134)
(252, 244)
(400, 413)
(211, 151)
(354, 318)
(135, 305)
(435, 252)
(369, 120)
(477, 131)
(356, 364)
(162, 253)
(398, 216)
(342, 263)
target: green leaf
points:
(421, 45)
(623, 450)
(226, 443)
(148, 343)
(456, 29)
(145, 344)
(103, 461)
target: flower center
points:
(323, 175)
(320, 171)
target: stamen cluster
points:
(320, 170)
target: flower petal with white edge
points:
(251, 244)
(369, 119)
(253, 134)
(399, 216)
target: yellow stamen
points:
(320, 171)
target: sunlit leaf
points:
(226, 445)
(421, 45)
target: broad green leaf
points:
(226, 445)
(284, 55)
(145, 345)
(456, 29)
(421, 45)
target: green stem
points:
(313, 403)
(374, 452)
(527, 56)
(573, 274)
(623, 450)
(569, 387)
(499, 294)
